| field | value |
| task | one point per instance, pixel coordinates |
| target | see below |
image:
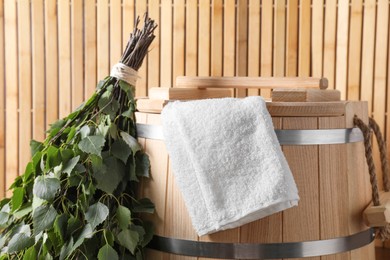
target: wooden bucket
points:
(326, 156)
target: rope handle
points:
(382, 232)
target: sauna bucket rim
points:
(264, 250)
(285, 137)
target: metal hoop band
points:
(262, 251)
(285, 137)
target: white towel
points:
(227, 161)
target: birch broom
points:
(76, 198)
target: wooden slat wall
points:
(52, 53)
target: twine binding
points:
(125, 73)
(382, 232)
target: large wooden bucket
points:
(326, 156)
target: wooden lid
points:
(296, 109)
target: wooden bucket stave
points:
(332, 180)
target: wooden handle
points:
(378, 216)
(252, 82)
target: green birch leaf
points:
(121, 150)
(23, 211)
(23, 229)
(46, 187)
(28, 172)
(4, 216)
(108, 237)
(100, 84)
(128, 113)
(57, 171)
(149, 232)
(144, 205)
(30, 254)
(17, 198)
(106, 252)
(85, 131)
(113, 131)
(36, 160)
(60, 225)
(55, 241)
(5, 205)
(92, 144)
(74, 224)
(104, 100)
(19, 242)
(129, 239)
(74, 180)
(142, 163)
(127, 88)
(131, 166)
(66, 155)
(66, 249)
(131, 142)
(52, 157)
(104, 126)
(71, 134)
(35, 147)
(96, 162)
(46, 256)
(80, 168)
(37, 202)
(96, 214)
(43, 218)
(57, 124)
(18, 182)
(140, 230)
(69, 166)
(139, 256)
(123, 216)
(109, 175)
(86, 233)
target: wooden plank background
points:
(53, 52)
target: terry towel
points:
(227, 161)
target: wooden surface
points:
(252, 82)
(38, 70)
(378, 216)
(305, 95)
(25, 91)
(187, 93)
(330, 41)
(2, 104)
(64, 59)
(254, 43)
(305, 171)
(11, 94)
(274, 108)
(382, 253)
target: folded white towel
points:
(227, 161)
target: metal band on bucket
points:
(262, 251)
(285, 137)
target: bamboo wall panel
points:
(38, 70)
(330, 41)
(2, 103)
(292, 38)
(53, 52)
(254, 42)
(24, 74)
(229, 38)
(355, 43)
(11, 94)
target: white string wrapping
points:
(125, 73)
